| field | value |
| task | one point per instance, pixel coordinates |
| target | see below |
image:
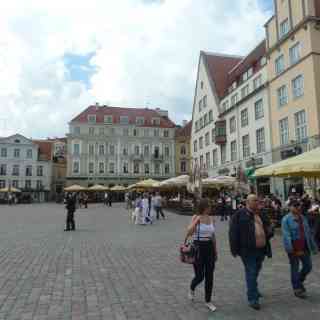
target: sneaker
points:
(191, 295)
(255, 305)
(299, 293)
(211, 306)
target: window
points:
(91, 149)
(260, 139)
(112, 149)
(208, 160)
(200, 105)
(166, 151)
(207, 139)
(225, 106)
(27, 184)
(234, 99)
(3, 170)
(257, 82)
(183, 167)
(245, 76)
(125, 132)
(91, 167)
(244, 118)
(282, 96)
(244, 91)
(111, 167)
(108, 119)
(210, 116)
(92, 118)
(135, 132)
(157, 168)
(136, 150)
(124, 120)
(146, 132)
(195, 146)
(204, 101)
(201, 161)
(250, 72)
(29, 154)
(197, 126)
(201, 123)
(214, 157)
(284, 28)
(16, 153)
(232, 123)
(279, 64)
(245, 146)
(101, 167)
(75, 169)
(76, 149)
(39, 184)
(101, 149)
(40, 169)
(136, 167)
(297, 87)
(76, 130)
(3, 152)
(200, 143)
(233, 149)
(125, 151)
(29, 171)
(284, 131)
(15, 170)
(146, 151)
(166, 133)
(258, 109)
(300, 125)
(125, 167)
(91, 131)
(156, 132)
(205, 119)
(167, 168)
(263, 61)
(294, 53)
(15, 183)
(156, 121)
(223, 153)
(156, 152)
(183, 150)
(213, 135)
(140, 121)
(146, 168)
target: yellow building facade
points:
(183, 149)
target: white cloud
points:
(146, 53)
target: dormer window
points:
(250, 72)
(284, 28)
(140, 121)
(17, 141)
(124, 120)
(92, 118)
(156, 121)
(108, 119)
(263, 61)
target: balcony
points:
(220, 132)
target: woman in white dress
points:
(138, 211)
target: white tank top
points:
(204, 232)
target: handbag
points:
(189, 251)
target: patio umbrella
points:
(75, 188)
(98, 187)
(180, 181)
(304, 165)
(118, 188)
(12, 189)
(147, 184)
(219, 181)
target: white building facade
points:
(110, 145)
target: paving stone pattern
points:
(111, 269)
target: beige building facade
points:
(183, 149)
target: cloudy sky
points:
(57, 57)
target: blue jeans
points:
(298, 277)
(252, 265)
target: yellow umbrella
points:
(220, 181)
(118, 188)
(303, 165)
(75, 188)
(149, 183)
(12, 189)
(180, 181)
(98, 187)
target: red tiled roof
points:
(251, 60)
(45, 149)
(218, 67)
(184, 131)
(116, 112)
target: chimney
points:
(184, 122)
(97, 105)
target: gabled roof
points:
(184, 131)
(132, 113)
(218, 66)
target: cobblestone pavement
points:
(111, 269)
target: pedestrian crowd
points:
(251, 227)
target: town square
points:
(159, 159)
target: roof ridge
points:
(222, 55)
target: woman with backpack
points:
(202, 231)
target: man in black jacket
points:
(71, 208)
(249, 237)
